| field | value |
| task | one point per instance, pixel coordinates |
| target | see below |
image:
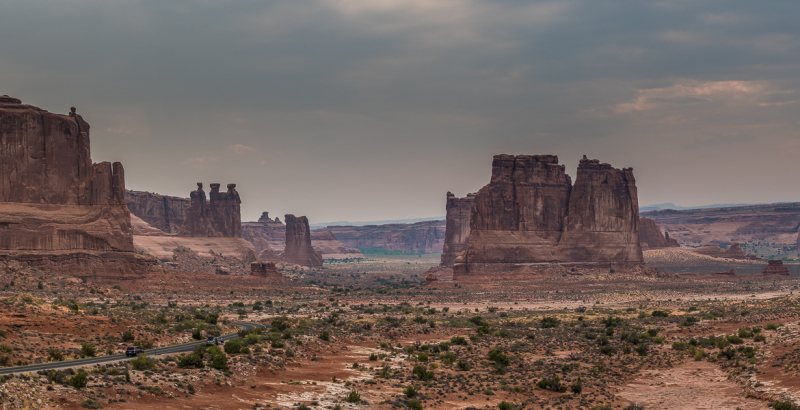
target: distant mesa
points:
(531, 213)
(776, 267)
(651, 237)
(58, 209)
(423, 236)
(734, 251)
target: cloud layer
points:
(373, 109)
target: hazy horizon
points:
(365, 110)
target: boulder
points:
(776, 267)
(531, 213)
(651, 237)
(456, 237)
(298, 248)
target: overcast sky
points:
(374, 109)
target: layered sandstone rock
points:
(220, 217)
(165, 213)
(776, 267)
(651, 237)
(298, 243)
(731, 272)
(456, 237)
(264, 270)
(57, 208)
(734, 251)
(425, 236)
(268, 236)
(531, 213)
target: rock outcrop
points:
(268, 236)
(731, 272)
(531, 213)
(265, 270)
(298, 243)
(456, 237)
(162, 212)
(57, 208)
(651, 237)
(426, 236)
(220, 217)
(776, 267)
(734, 251)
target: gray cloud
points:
(372, 109)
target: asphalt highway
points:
(186, 347)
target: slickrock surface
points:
(163, 212)
(651, 237)
(298, 243)
(456, 235)
(57, 208)
(162, 247)
(426, 236)
(776, 267)
(776, 223)
(531, 213)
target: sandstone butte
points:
(776, 267)
(59, 210)
(531, 213)
(651, 237)
(298, 243)
(456, 236)
(734, 251)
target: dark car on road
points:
(133, 351)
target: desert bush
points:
(91, 404)
(191, 361)
(87, 349)
(422, 372)
(548, 322)
(234, 346)
(504, 405)
(660, 313)
(353, 397)
(143, 363)
(79, 380)
(410, 391)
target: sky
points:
(373, 109)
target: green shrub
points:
(219, 362)
(771, 326)
(127, 336)
(233, 346)
(553, 384)
(576, 387)
(79, 380)
(143, 363)
(783, 405)
(191, 361)
(548, 322)
(91, 404)
(325, 335)
(410, 391)
(660, 313)
(414, 404)
(87, 349)
(353, 397)
(422, 372)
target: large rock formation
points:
(651, 237)
(456, 236)
(57, 208)
(162, 212)
(265, 270)
(531, 213)
(298, 243)
(776, 267)
(268, 236)
(734, 251)
(772, 223)
(426, 236)
(220, 217)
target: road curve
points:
(186, 347)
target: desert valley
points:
(535, 292)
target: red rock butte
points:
(456, 236)
(530, 212)
(57, 208)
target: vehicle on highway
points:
(133, 351)
(210, 341)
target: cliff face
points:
(58, 210)
(770, 223)
(531, 213)
(427, 236)
(298, 243)
(456, 236)
(52, 197)
(220, 217)
(163, 212)
(651, 237)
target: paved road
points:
(186, 347)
